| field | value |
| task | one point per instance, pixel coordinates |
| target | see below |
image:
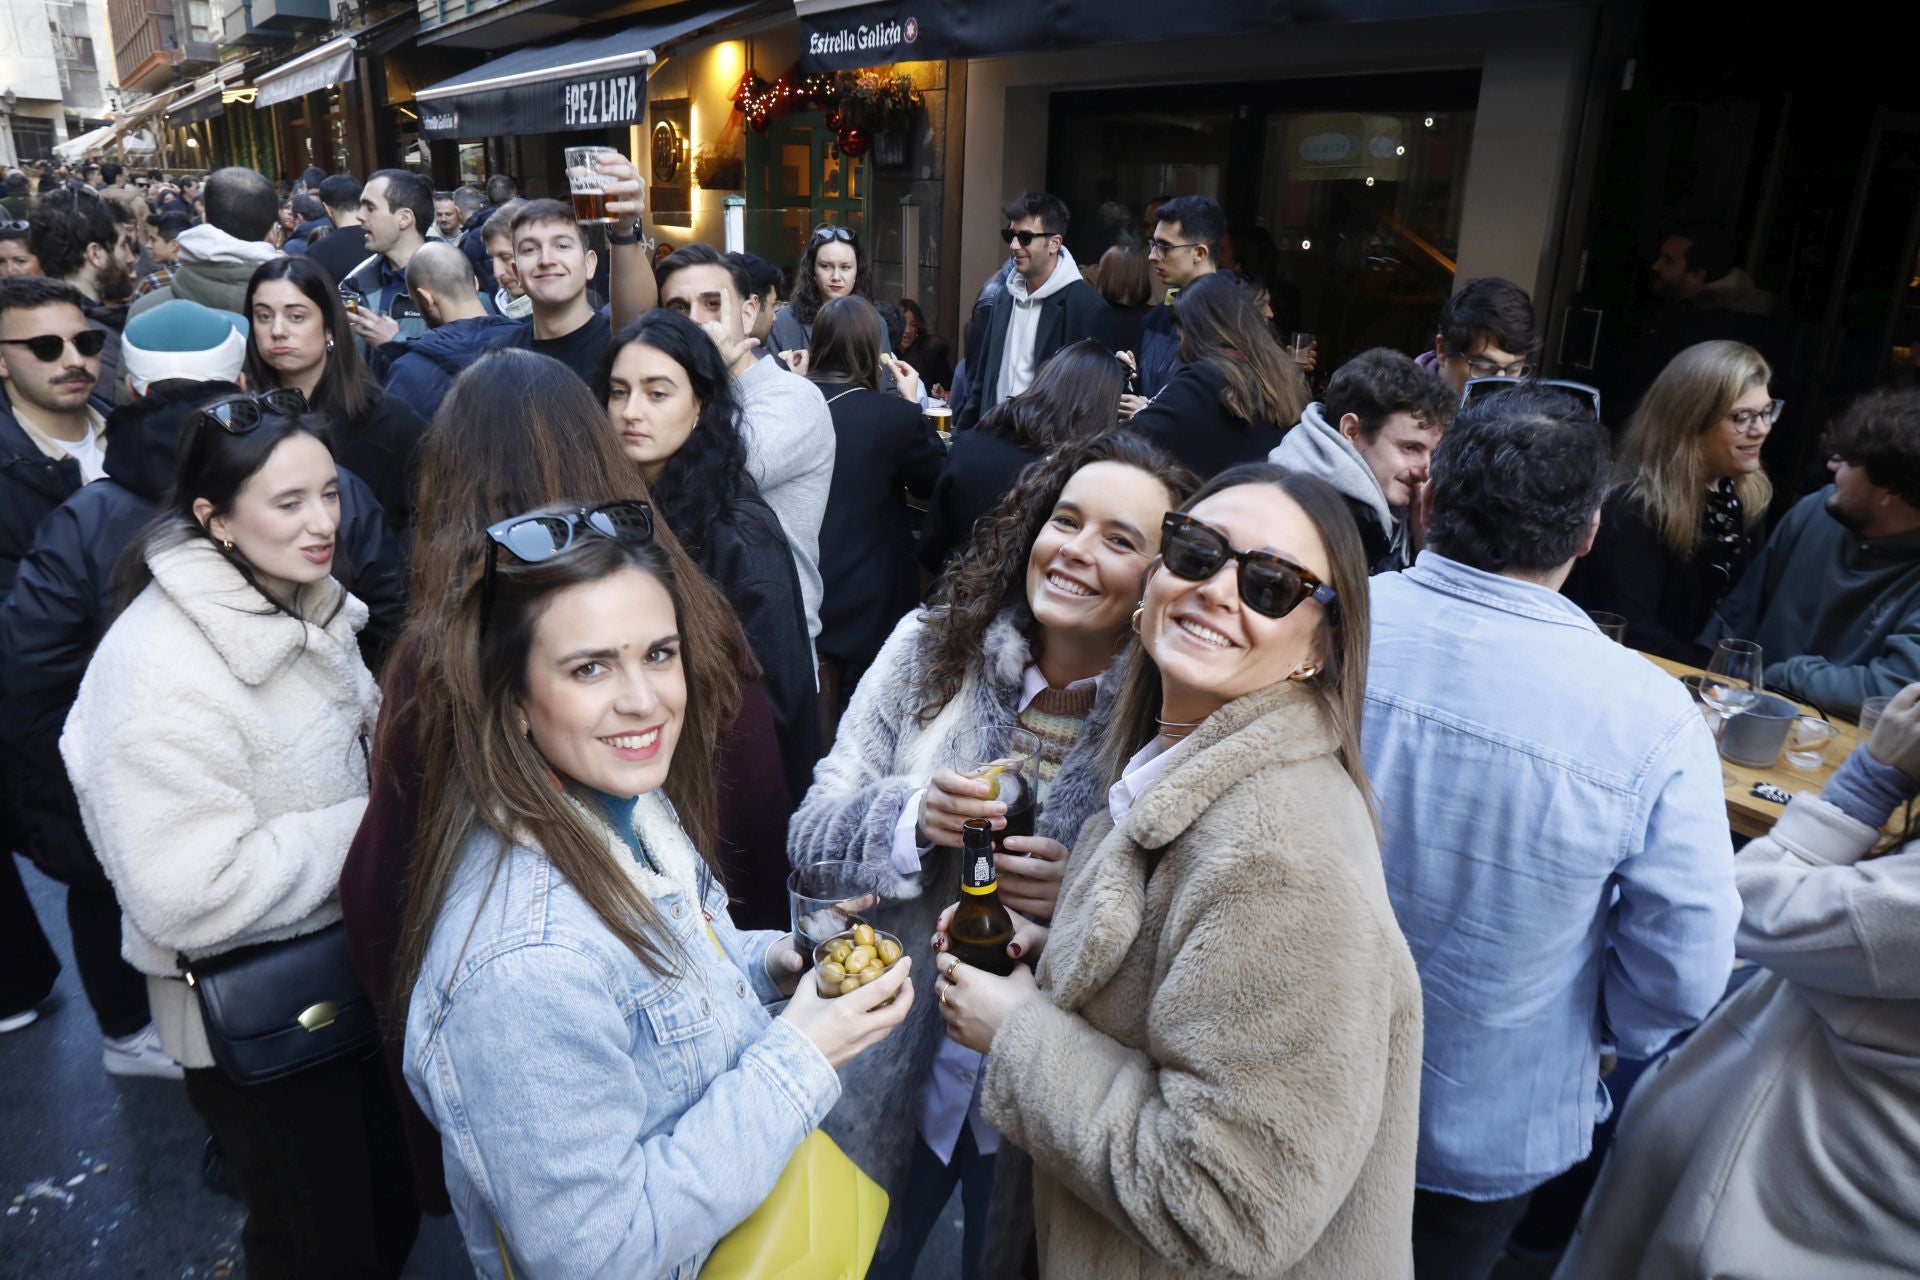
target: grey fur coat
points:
(881, 756)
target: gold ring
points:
(944, 993)
(953, 968)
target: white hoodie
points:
(1317, 448)
(1023, 326)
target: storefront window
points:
(1343, 196)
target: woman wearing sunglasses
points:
(588, 1029)
(1679, 532)
(833, 266)
(301, 339)
(1234, 393)
(1025, 630)
(1218, 1066)
(671, 405)
(218, 749)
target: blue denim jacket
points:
(1556, 848)
(609, 1121)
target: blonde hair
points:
(1664, 449)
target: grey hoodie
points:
(1317, 448)
(1017, 366)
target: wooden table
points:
(1747, 813)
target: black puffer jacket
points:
(63, 597)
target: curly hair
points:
(1880, 433)
(64, 224)
(708, 475)
(990, 574)
(806, 301)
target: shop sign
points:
(601, 100)
(548, 106)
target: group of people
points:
(530, 651)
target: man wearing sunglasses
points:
(1045, 306)
(1554, 833)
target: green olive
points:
(863, 935)
(850, 986)
(831, 972)
(889, 951)
(870, 975)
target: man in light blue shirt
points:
(1554, 829)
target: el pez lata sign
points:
(550, 106)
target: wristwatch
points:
(632, 237)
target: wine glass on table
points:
(1733, 682)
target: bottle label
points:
(977, 876)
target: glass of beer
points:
(939, 416)
(1007, 758)
(829, 898)
(351, 298)
(588, 183)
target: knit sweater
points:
(790, 446)
(1056, 717)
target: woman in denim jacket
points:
(587, 1029)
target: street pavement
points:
(100, 1174)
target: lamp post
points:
(8, 155)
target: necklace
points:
(1167, 727)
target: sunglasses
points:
(1026, 238)
(16, 225)
(1268, 584)
(47, 347)
(845, 234)
(1478, 388)
(534, 539)
(239, 414)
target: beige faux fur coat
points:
(1225, 1079)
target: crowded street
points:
(940, 640)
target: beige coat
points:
(1783, 1139)
(1226, 1078)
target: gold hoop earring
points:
(1139, 609)
(1305, 673)
(526, 730)
(226, 545)
(329, 342)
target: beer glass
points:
(939, 416)
(1612, 625)
(1008, 759)
(588, 183)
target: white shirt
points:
(1147, 764)
(88, 451)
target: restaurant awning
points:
(318, 68)
(844, 35)
(587, 82)
(75, 147)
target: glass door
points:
(796, 180)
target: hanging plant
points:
(878, 102)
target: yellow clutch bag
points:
(821, 1222)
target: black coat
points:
(883, 448)
(1077, 311)
(1666, 599)
(1190, 421)
(31, 486)
(63, 600)
(746, 553)
(340, 251)
(980, 470)
(383, 448)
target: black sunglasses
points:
(239, 414)
(47, 347)
(1479, 388)
(1009, 235)
(540, 536)
(1268, 584)
(830, 232)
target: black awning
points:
(588, 82)
(836, 35)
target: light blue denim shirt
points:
(1556, 848)
(610, 1122)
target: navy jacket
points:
(422, 375)
(63, 599)
(1156, 352)
(31, 486)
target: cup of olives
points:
(848, 961)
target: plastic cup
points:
(1870, 712)
(1807, 742)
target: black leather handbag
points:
(278, 1008)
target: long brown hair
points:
(846, 344)
(1219, 327)
(1666, 437)
(346, 392)
(1346, 624)
(518, 432)
(499, 781)
(990, 575)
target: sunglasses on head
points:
(47, 347)
(1026, 238)
(1479, 388)
(240, 413)
(830, 232)
(1268, 584)
(16, 225)
(543, 535)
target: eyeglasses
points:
(1480, 388)
(47, 347)
(1162, 248)
(241, 413)
(1748, 419)
(846, 235)
(1478, 368)
(1268, 584)
(1026, 238)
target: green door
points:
(796, 180)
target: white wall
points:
(27, 64)
(1532, 67)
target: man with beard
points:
(79, 241)
(1834, 599)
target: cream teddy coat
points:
(1225, 1078)
(219, 753)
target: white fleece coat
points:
(219, 753)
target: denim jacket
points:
(609, 1121)
(1556, 848)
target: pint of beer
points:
(588, 183)
(939, 416)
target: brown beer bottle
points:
(981, 928)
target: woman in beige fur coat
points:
(1216, 1070)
